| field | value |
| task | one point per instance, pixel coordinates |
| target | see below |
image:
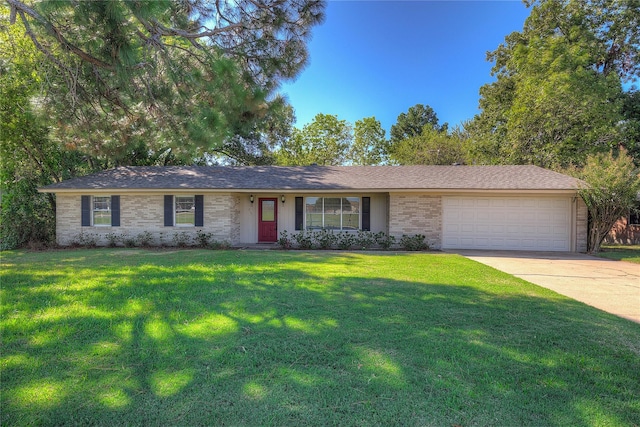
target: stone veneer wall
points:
(581, 226)
(145, 213)
(416, 214)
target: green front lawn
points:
(193, 337)
(630, 253)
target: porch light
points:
(282, 198)
(251, 198)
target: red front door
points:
(267, 220)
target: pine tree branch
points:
(56, 33)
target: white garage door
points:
(513, 223)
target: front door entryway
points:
(267, 220)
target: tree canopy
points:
(431, 147)
(613, 184)
(179, 75)
(370, 145)
(325, 141)
(558, 94)
(414, 121)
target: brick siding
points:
(416, 214)
(581, 226)
(145, 213)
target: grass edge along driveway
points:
(192, 337)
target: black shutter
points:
(115, 211)
(299, 213)
(366, 213)
(168, 211)
(199, 200)
(86, 211)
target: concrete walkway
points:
(612, 286)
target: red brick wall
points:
(623, 233)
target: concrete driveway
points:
(612, 286)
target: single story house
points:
(455, 207)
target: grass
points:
(193, 337)
(630, 253)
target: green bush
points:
(128, 241)
(284, 241)
(384, 240)
(365, 240)
(26, 216)
(85, 240)
(203, 238)
(182, 239)
(304, 239)
(346, 240)
(144, 239)
(112, 239)
(325, 239)
(413, 243)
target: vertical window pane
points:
(313, 211)
(268, 210)
(332, 213)
(350, 213)
(185, 210)
(102, 210)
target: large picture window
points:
(185, 210)
(332, 213)
(101, 210)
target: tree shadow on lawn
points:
(267, 339)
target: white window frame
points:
(175, 211)
(359, 226)
(94, 210)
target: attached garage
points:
(507, 223)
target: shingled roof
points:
(281, 178)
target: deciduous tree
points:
(29, 157)
(370, 146)
(612, 189)
(414, 121)
(431, 147)
(558, 92)
(325, 141)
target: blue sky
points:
(378, 58)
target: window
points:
(634, 215)
(185, 210)
(101, 210)
(332, 213)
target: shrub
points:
(304, 239)
(384, 240)
(365, 239)
(112, 239)
(413, 243)
(284, 241)
(88, 240)
(144, 239)
(129, 242)
(203, 238)
(346, 240)
(26, 216)
(325, 239)
(182, 239)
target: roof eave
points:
(307, 190)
